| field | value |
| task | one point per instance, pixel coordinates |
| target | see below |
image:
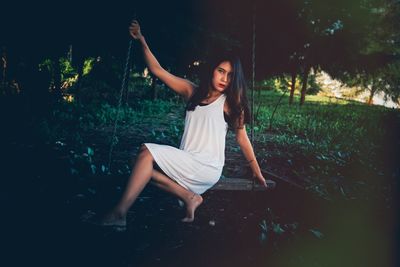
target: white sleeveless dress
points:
(197, 164)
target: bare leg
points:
(138, 179)
(191, 200)
(140, 176)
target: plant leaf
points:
(317, 233)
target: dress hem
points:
(155, 157)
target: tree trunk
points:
(292, 87)
(304, 85)
(371, 94)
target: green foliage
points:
(106, 114)
(327, 135)
(313, 86)
(66, 69)
(128, 115)
(317, 233)
(68, 74)
(88, 65)
(281, 82)
(314, 142)
(268, 84)
(46, 65)
(272, 228)
(317, 125)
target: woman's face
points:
(222, 76)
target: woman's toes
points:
(191, 207)
(113, 220)
(187, 219)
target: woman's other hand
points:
(261, 179)
(134, 30)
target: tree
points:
(373, 60)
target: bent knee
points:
(144, 151)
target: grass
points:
(328, 135)
(335, 147)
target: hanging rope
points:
(253, 59)
(114, 140)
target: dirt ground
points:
(287, 226)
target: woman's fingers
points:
(134, 29)
(263, 181)
(264, 184)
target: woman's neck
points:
(213, 94)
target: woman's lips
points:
(221, 85)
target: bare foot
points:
(113, 219)
(191, 206)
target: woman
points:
(217, 103)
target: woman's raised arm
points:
(182, 86)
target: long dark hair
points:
(235, 92)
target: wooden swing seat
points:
(241, 184)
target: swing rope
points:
(114, 139)
(253, 59)
(252, 136)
